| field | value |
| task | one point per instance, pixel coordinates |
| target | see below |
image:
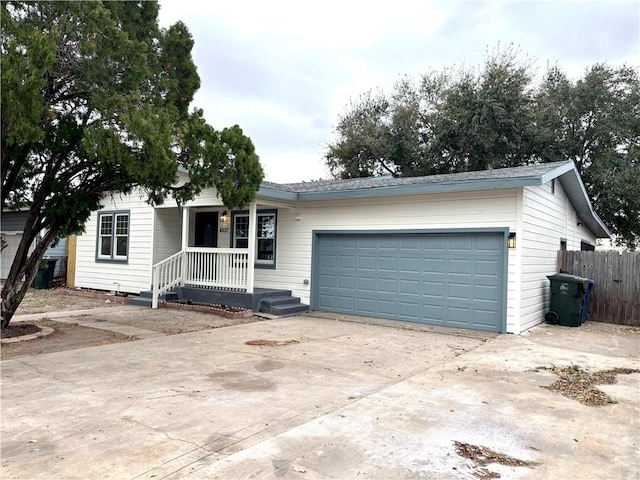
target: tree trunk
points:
(25, 267)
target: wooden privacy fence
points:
(616, 295)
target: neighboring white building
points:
(609, 245)
(425, 249)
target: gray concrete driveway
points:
(333, 400)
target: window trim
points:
(112, 257)
(267, 264)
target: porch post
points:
(251, 261)
(185, 243)
(185, 228)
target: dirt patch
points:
(169, 321)
(271, 343)
(19, 330)
(100, 325)
(65, 336)
(58, 299)
(483, 456)
(578, 384)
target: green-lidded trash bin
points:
(567, 299)
(44, 277)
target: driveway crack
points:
(164, 432)
(48, 375)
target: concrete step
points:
(148, 294)
(286, 309)
(270, 302)
(141, 301)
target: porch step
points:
(140, 301)
(283, 306)
(146, 296)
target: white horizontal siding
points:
(447, 211)
(133, 276)
(168, 233)
(547, 218)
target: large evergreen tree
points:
(95, 99)
(497, 116)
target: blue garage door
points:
(454, 280)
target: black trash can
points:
(44, 277)
(587, 297)
(568, 294)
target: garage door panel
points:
(442, 279)
(366, 284)
(328, 261)
(328, 281)
(491, 268)
(458, 315)
(459, 267)
(387, 285)
(388, 242)
(347, 261)
(389, 264)
(327, 302)
(411, 243)
(433, 313)
(489, 243)
(365, 305)
(367, 242)
(486, 293)
(433, 242)
(483, 319)
(408, 287)
(347, 242)
(459, 291)
(433, 289)
(409, 310)
(345, 303)
(461, 244)
(348, 282)
(409, 265)
(366, 263)
(386, 307)
(433, 265)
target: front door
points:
(206, 231)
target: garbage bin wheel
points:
(552, 318)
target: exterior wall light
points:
(511, 240)
(224, 218)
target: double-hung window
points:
(265, 235)
(113, 236)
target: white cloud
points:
(285, 70)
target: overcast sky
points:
(286, 70)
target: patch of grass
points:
(578, 384)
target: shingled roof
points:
(515, 177)
(388, 181)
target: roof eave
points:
(577, 194)
(401, 190)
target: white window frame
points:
(260, 236)
(120, 227)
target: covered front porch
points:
(219, 252)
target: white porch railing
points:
(217, 267)
(204, 267)
(166, 275)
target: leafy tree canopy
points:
(95, 99)
(495, 116)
